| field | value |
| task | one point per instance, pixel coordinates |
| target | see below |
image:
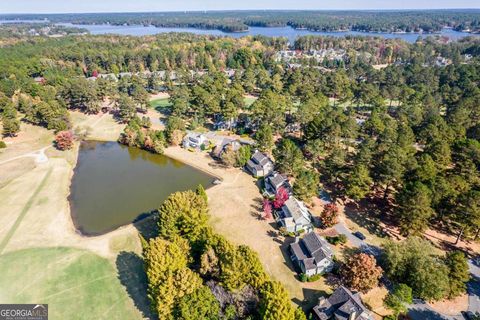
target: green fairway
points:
(160, 104)
(76, 284)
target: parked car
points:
(359, 235)
(469, 315)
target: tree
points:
(288, 157)
(329, 216)
(201, 192)
(413, 262)
(399, 299)
(306, 184)
(201, 304)
(244, 154)
(275, 302)
(358, 183)
(174, 130)
(458, 273)
(126, 108)
(264, 138)
(267, 209)
(360, 272)
(64, 140)
(183, 214)
(280, 197)
(414, 210)
(11, 125)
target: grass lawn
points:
(76, 284)
(160, 104)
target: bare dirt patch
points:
(451, 307)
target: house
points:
(294, 216)
(274, 182)
(223, 145)
(193, 140)
(341, 305)
(312, 254)
(260, 165)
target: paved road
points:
(473, 287)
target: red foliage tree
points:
(267, 209)
(64, 140)
(280, 198)
(360, 272)
(329, 215)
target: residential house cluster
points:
(311, 254)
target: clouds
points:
(68, 6)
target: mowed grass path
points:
(76, 284)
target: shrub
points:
(3, 145)
(64, 140)
(340, 239)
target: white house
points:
(294, 216)
(312, 254)
(274, 182)
(193, 140)
(260, 165)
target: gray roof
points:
(342, 303)
(292, 208)
(311, 250)
(276, 180)
(260, 158)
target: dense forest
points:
(237, 21)
(404, 138)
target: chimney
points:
(353, 315)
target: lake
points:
(114, 184)
(288, 32)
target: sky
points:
(78, 6)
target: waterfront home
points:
(312, 254)
(294, 216)
(194, 140)
(225, 143)
(274, 182)
(341, 305)
(260, 165)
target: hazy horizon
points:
(115, 6)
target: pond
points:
(114, 184)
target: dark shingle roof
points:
(342, 303)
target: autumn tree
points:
(64, 140)
(360, 272)
(267, 209)
(280, 197)
(329, 216)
